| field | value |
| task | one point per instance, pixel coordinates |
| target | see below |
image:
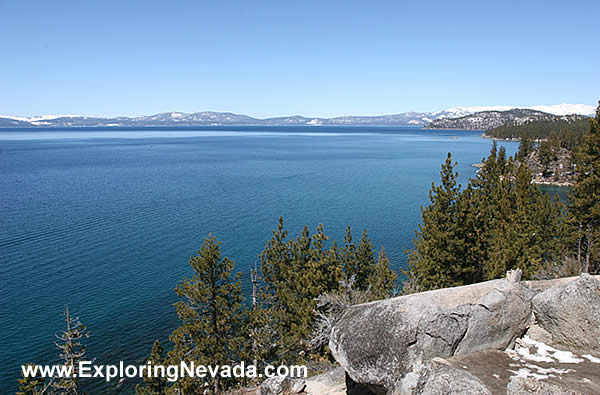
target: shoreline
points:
(557, 184)
(485, 136)
(554, 184)
(456, 129)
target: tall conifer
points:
(585, 197)
(382, 278)
(154, 385)
(433, 261)
(211, 314)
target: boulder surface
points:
(378, 343)
(570, 312)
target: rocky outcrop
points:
(439, 377)
(462, 340)
(378, 343)
(528, 385)
(329, 383)
(570, 312)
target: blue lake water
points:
(105, 220)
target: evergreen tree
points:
(267, 319)
(275, 259)
(502, 161)
(433, 262)
(348, 254)
(295, 273)
(154, 385)
(525, 147)
(382, 279)
(212, 316)
(585, 196)
(522, 224)
(546, 156)
(72, 351)
(362, 265)
(500, 221)
(472, 240)
(31, 385)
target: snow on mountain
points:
(566, 109)
(554, 109)
(38, 118)
(207, 118)
(485, 120)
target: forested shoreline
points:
(499, 221)
(548, 147)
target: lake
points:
(105, 220)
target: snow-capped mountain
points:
(485, 120)
(554, 109)
(209, 118)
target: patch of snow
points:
(524, 373)
(538, 357)
(38, 118)
(566, 357)
(591, 358)
(549, 371)
(566, 109)
(543, 353)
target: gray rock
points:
(542, 285)
(570, 312)
(330, 383)
(378, 343)
(514, 276)
(439, 377)
(281, 386)
(528, 385)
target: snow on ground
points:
(528, 352)
(591, 358)
(543, 352)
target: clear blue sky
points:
(314, 58)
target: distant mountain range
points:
(208, 118)
(486, 120)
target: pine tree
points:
(348, 254)
(433, 262)
(502, 160)
(31, 385)
(585, 196)
(525, 147)
(71, 353)
(546, 156)
(295, 273)
(212, 316)
(154, 385)
(267, 319)
(382, 279)
(523, 228)
(275, 259)
(500, 221)
(362, 266)
(472, 240)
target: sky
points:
(313, 58)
